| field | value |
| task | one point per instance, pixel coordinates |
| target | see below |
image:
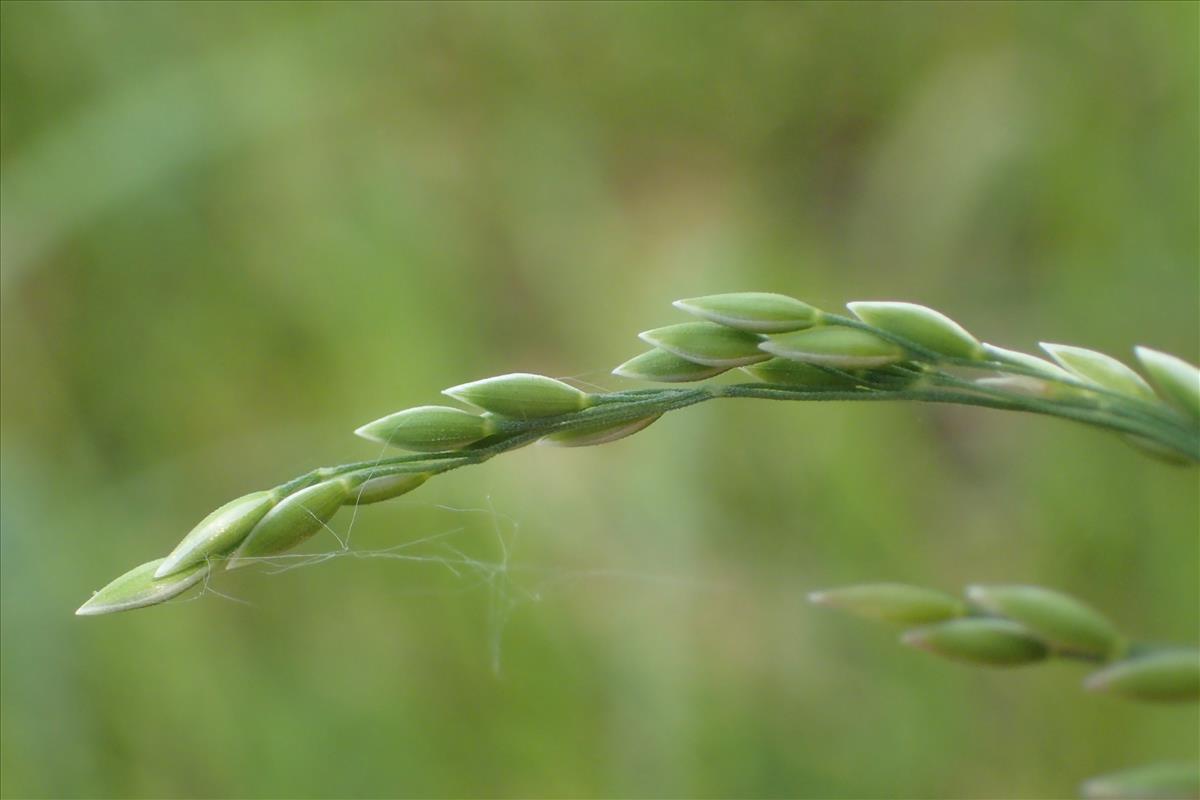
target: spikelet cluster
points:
(769, 335)
(777, 341)
(266, 523)
(1009, 626)
(1013, 625)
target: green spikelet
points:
(600, 433)
(386, 487)
(294, 519)
(1100, 369)
(707, 343)
(892, 602)
(1171, 676)
(844, 348)
(756, 312)
(930, 329)
(785, 372)
(139, 587)
(218, 533)
(979, 640)
(1058, 619)
(1176, 380)
(1047, 369)
(428, 429)
(663, 367)
(521, 395)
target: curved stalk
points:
(616, 407)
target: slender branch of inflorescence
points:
(1010, 626)
(793, 352)
(617, 407)
(1018, 625)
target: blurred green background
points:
(233, 233)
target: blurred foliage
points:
(234, 232)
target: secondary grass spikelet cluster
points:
(1009, 626)
(782, 347)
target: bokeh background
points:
(234, 232)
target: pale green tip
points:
(756, 312)
(138, 588)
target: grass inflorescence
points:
(787, 349)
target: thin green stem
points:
(1168, 433)
(616, 407)
(609, 408)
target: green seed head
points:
(930, 329)
(1060, 620)
(385, 487)
(139, 587)
(1102, 370)
(979, 640)
(521, 395)
(600, 433)
(757, 312)
(297, 517)
(1152, 782)
(845, 348)
(219, 532)
(428, 429)
(794, 373)
(707, 343)
(892, 602)
(1171, 676)
(663, 367)
(1176, 380)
